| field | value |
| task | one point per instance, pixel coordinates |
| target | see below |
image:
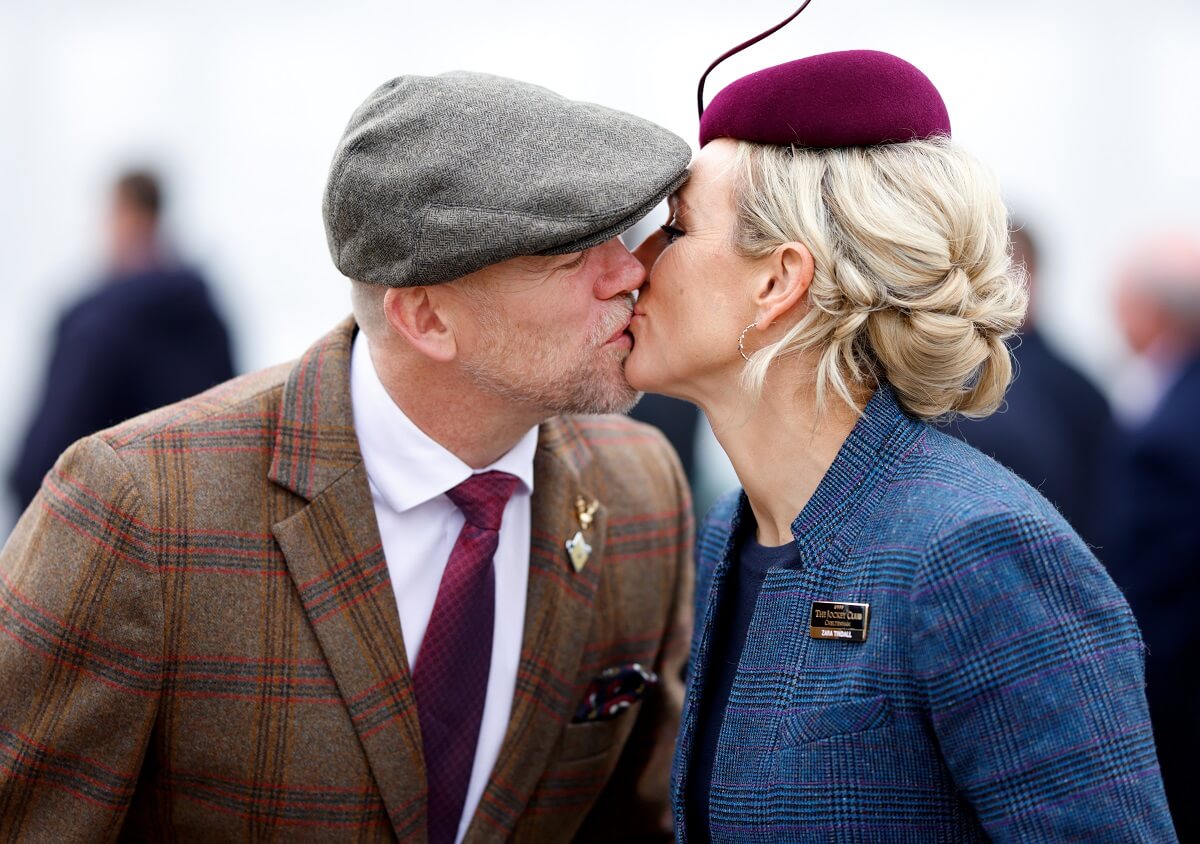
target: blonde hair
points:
(914, 282)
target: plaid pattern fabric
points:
(200, 640)
(999, 694)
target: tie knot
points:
(482, 497)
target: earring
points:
(742, 340)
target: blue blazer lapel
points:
(720, 535)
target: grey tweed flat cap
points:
(439, 176)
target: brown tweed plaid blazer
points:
(201, 642)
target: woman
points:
(897, 639)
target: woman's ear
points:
(786, 276)
(418, 315)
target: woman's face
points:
(697, 296)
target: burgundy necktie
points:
(451, 674)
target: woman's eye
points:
(672, 233)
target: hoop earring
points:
(742, 340)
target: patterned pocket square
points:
(614, 690)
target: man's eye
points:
(577, 262)
(672, 233)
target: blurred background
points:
(1085, 112)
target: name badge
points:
(841, 622)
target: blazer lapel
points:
(558, 617)
(335, 557)
(698, 668)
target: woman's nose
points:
(647, 253)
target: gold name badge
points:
(839, 622)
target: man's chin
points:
(619, 397)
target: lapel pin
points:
(578, 551)
(586, 512)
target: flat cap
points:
(850, 98)
(439, 176)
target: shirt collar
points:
(405, 465)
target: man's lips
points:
(622, 331)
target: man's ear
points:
(783, 282)
(419, 318)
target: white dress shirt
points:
(409, 475)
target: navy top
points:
(734, 614)
(137, 342)
(1054, 432)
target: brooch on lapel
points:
(835, 620)
(578, 551)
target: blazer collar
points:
(315, 442)
(879, 442)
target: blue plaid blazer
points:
(999, 694)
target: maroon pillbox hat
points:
(851, 98)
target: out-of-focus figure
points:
(148, 335)
(678, 420)
(1153, 494)
(1055, 423)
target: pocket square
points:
(614, 690)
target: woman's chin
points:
(641, 372)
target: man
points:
(1055, 423)
(1152, 545)
(388, 592)
(148, 335)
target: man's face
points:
(552, 333)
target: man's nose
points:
(622, 272)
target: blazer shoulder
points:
(248, 403)
(610, 443)
(952, 478)
(629, 464)
(956, 499)
(982, 517)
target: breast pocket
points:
(591, 739)
(840, 719)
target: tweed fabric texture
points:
(439, 176)
(999, 694)
(450, 678)
(201, 643)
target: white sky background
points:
(1086, 111)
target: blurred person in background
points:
(146, 336)
(680, 423)
(1053, 423)
(1151, 540)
